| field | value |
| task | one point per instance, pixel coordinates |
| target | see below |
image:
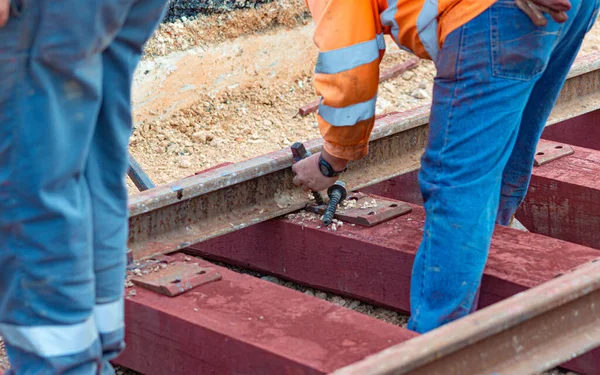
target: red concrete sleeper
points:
(375, 264)
(244, 325)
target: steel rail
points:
(580, 94)
(194, 209)
(527, 333)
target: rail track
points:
(226, 199)
(539, 298)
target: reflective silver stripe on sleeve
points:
(427, 28)
(350, 115)
(340, 60)
(51, 341)
(110, 317)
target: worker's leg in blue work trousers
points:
(498, 78)
(65, 73)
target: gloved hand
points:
(535, 9)
(4, 11)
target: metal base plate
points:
(363, 209)
(550, 151)
(176, 275)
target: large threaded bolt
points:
(337, 193)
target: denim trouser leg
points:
(106, 167)
(52, 93)
(487, 71)
(47, 119)
(517, 173)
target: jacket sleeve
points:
(351, 46)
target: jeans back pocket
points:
(520, 50)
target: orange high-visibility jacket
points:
(349, 35)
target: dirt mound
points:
(189, 28)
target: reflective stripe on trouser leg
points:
(26, 363)
(51, 341)
(48, 106)
(110, 322)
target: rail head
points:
(193, 186)
(585, 64)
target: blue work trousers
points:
(498, 78)
(66, 69)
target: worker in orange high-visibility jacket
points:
(500, 67)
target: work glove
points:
(535, 9)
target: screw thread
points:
(331, 208)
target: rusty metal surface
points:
(175, 276)
(365, 210)
(174, 216)
(550, 151)
(195, 209)
(530, 332)
(581, 92)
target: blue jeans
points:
(66, 68)
(498, 79)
